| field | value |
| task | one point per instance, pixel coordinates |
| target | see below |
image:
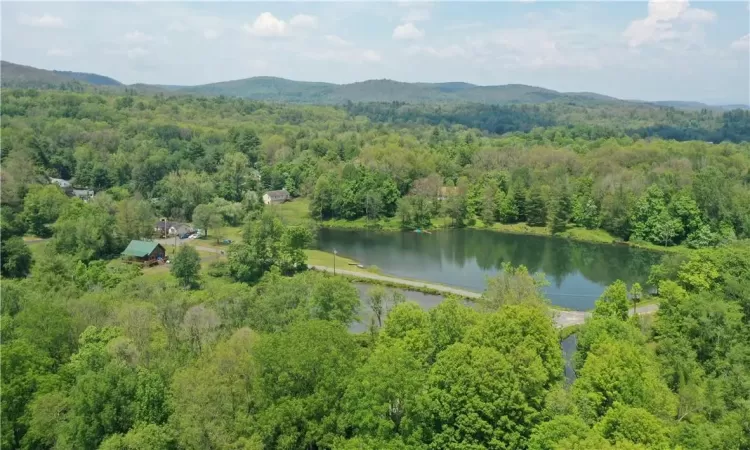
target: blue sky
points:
(657, 50)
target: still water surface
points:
(578, 272)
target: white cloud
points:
(210, 34)
(667, 9)
(43, 21)
(407, 31)
(61, 52)
(742, 43)
(137, 37)
(666, 21)
(267, 25)
(338, 41)
(137, 52)
(698, 15)
(304, 21)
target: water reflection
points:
(577, 271)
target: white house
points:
(166, 228)
(275, 197)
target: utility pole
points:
(334, 261)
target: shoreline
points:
(564, 318)
(574, 234)
(296, 212)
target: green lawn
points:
(295, 212)
(321, 258)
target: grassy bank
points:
(325, 259)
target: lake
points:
(578, 272)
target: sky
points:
(647, 50)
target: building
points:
(83, 194)
(165, 228)
(275, 197)
(148, 252)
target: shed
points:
(275, 197)
(144, 251)
(83, 194)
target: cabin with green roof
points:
(144, 251)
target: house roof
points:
(160, 225)
(140, 248)
(278, 194)
(60, 182)
(83, 192)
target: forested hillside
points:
(250, 350)
(91, 78)
(279, 89)
(181, 152)
(18, 76)
(576, 120)
(371, 91)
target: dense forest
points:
(253, 351)
(100, 356)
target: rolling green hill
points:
(306, 92)
(19, 76)
(92, 78)
(279, 89)
(16, 75)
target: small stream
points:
(569, 346)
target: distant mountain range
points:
(90, 78)
(283, 90)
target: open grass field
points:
(295, 212)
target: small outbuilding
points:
(83, 194)
(275, 197)
(148, 252)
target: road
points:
(400, 281)
(563, 318)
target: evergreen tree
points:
(489, 210)
(519, 194)
(509, 209)
(536, 208)
(560, 209)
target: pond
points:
(577, 272)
